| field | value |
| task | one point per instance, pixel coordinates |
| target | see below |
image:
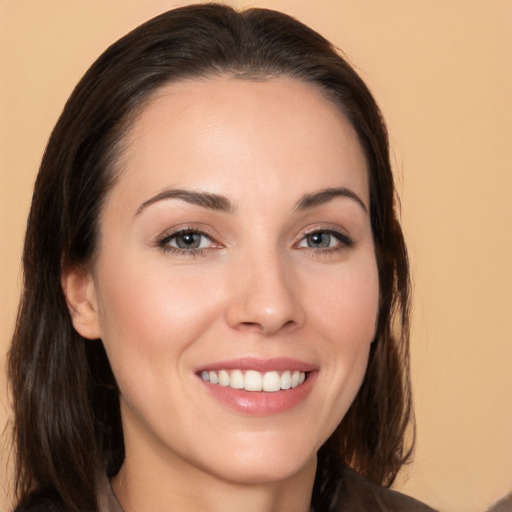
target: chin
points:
(265, 472)
(266, 462)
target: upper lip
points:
(259, 364)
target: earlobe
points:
(80, 292)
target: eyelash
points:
(164, 242)
(345, 242)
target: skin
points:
(258, 287)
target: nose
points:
(266, 298)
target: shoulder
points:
(41, 501)
(360, 495)
(504, 505)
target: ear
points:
(80, 292)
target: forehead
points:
(216, 133)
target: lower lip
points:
(261, 403)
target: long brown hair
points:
(67, 424)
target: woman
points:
(215, 310)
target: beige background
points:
(441, 71)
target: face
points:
(235, 286)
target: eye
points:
(325, 239)
(189, 240)
(186, 240)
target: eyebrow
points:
(223, 204)
(204, 199)
(326, 195)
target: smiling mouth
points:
(251, 380)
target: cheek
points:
(151, 318)
(345, 315)
(148, 317)
(347, 304)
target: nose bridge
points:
(265, 297)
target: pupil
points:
(319, 240)
(188, 240)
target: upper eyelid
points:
(328, 227)
(164, 243)
(172, 232)
(344, 238)
(215, 237)
(175, 234)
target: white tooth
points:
(286, 380)
(271, 381)
(253, 381)
(224, 378)
(237, 379)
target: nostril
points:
(266, 328)
(291, 324)
(251, 326)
